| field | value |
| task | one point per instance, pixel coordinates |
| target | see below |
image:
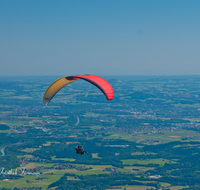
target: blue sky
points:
(107, 37)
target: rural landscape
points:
(147, 137)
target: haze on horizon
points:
(99, 37)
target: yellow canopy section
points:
(56, 86)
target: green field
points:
(137, 187)
(96, 169)
(22, 182)
(95, 155)
(141, 153)
(65, 159)
(130, 187)
(162, 138)
(56, 174)
(159, 161)
(168, 136)
(25, 156)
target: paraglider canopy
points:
(99, 82)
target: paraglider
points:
(99, 82)
(79, 150)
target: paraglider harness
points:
(79, 150)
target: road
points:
(2, 151)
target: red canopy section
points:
(100, 83)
